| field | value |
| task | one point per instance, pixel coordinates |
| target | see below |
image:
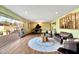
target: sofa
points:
(57, 37)
(65, 35)
(66, 51)
(69, 45)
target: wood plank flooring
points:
(20, 46)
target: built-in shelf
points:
(70, 21)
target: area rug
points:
(37, 44)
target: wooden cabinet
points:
(62, 23)
(70, 21)
(77, 20)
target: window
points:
(8, 25)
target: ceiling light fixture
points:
(56, 12)
(26, 12)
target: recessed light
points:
(26, 12)
(56, 12)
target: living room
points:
(32, 22)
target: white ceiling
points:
(41, 13)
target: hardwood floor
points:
(20, 46)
